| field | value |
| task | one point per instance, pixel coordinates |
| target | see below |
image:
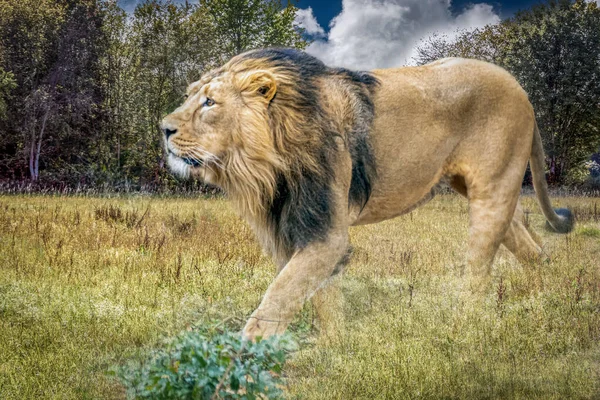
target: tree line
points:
(83, 84)
(553, 50)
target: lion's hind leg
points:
(489, 222)
(493, 198)
(519, 241)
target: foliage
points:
(209, 364)
(52, 50)
(554, 51)
(7, 84)
(29, 34)
(93, 82)
(487, 43)
(251, 24)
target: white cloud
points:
(371, 34)
(477, 15)
(306, 19)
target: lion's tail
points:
(560, 220)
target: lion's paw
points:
(257, 327)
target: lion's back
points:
(453, 90)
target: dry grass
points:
(86, 283)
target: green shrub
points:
(210, 364)
(589, 231)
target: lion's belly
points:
(413, 140)
(409, 166)
(380, 209)
(395, 194)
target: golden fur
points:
(305, 151)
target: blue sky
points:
(326, 10)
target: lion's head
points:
(249, 125)
(266, 127)
(224, 117)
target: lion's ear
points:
(260, 83)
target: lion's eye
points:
(209, 102)
(185, 96)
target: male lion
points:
(304, 151)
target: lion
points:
(305, 150)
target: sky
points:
(326, 10)
(368, 34)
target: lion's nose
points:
(169, 132)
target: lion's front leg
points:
(306, 272)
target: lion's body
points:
(450, 118)
(305, 151)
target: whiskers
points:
(206, 158)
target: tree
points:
(7, 84)
(487, 44)
(51, 47)
(157, 53)
(239, 25)
(28, 35)
(88, 84)
(554, 51)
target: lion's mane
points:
(288, 193)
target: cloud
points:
(306, 19)
(371, 34)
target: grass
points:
(89, 283)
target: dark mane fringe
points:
(364, 170)
(301, 211)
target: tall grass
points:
(88, 283)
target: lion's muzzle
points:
(169, 132)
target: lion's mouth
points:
(192, 161)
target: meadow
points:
(87, 283)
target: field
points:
(89, 283)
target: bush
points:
(210, 364)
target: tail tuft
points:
(565, 223)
